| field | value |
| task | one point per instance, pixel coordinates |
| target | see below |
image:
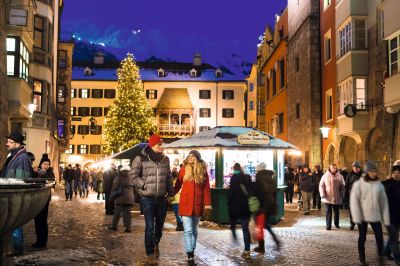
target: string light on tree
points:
(129, 119)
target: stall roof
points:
(130, 153)
(227, 137)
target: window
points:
(326, 3)
(251, 105)
(106, 111)
(251, 124)
(227, 113)
(83, 149)
(327, 46)
(109, 94)
(83, 129)
(261, 107)
(297, 110)
(97, 93)
(345, 39)
(360, 93)
(37, 95)
(261, 79)
(17, 58)
(297, 64)
(193, 73)
(345, 94)
(273, 82)
(39, 32)
(73, 111)
(359, 36)
(282, 72)
(61, 93)
(84, 93)
(73, 129)
(329, 105)
(268, 91)
(161, 72)
(151, 94)
(62, 59)
(96, 111)
(73, 93)
(204, 94)
(279, 129)
(204, 128)
(394, 55)
(83, 111)
(251, 87)
(71, 149)
(97, 130)
(228, 94)
(95, 149)
(205, 112)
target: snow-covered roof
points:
(227, 137)
(152, 75)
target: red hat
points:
(154, 140)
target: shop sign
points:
(253, 137)
(18, 17)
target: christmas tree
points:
(129, 119)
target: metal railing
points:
(171, 128)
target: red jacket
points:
(194, 197)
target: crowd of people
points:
(150, 181)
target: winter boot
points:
(260, 248)
(190, 260)
(179, 227)
(151, 260)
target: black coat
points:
(238, 206)
(68, 175)
(265, 189)
(306, 182)
(109, 176)
(289, 179)
(77, 175)
(316, 178)
(392, 188)
(124, 180)
(349, 181)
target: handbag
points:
(116, 193)
(260, 223)
(252, 201)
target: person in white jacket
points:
(369, 205)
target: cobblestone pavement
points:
(80, 224)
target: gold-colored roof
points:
(175, 99)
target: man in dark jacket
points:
(77, 180)
(392, 187)
(109, 176)
(151, 175)
(289, 182)
(124, 202)
(68, 176)
(352, 177)
(307, 187)
(265, 190)
(17, 166)
(317, 174)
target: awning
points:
(130, 153)
(175, 99)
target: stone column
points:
(3, 82)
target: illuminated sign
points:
(18, 17)
(253, 137)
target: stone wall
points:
(304, 88)
(3, 82)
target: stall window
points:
(227, 113)
(38, 95)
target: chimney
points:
(98, 58)
(197, 60)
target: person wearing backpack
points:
(238, 207)
(265, 190)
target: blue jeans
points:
(154, 217)
(190, 224)
(392, 243)
(245, 229)
(18, 239)
(85, 188)
(175, 208)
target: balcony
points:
(391, 93)
(173, 129)
(347, 8)
(356, 127)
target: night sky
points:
(174, 29)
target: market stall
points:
(221, 148)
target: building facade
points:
(304, 81)
(186, 98)
(3, 81)
(251, 108)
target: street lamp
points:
(325, 132)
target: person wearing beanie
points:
(307, 186)
(392, 188)
(369, 205)
(331, 189)
(41, 225)
(352, 177)
(238, 207)
(194, 181)
(151, 175)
